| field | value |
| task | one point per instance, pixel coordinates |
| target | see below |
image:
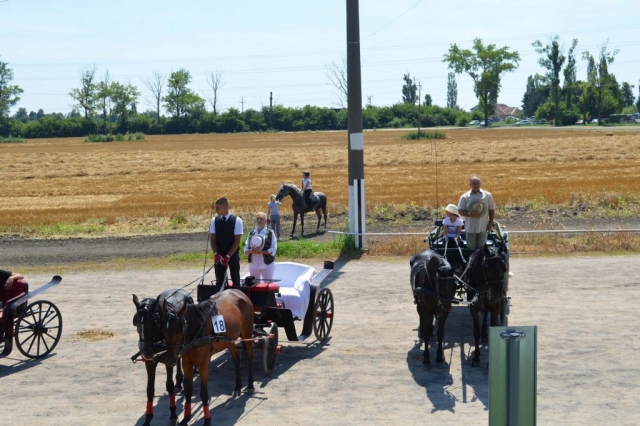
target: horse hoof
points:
(251, 390)
(235, 394)
(147, 420)
(185, 421)
(207, 422)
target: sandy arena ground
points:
(369, 372)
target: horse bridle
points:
(138, 320)
(487, 293)
(436, 287)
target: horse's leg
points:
(151, 379)
(441, 321)
(324, 213)
(187, 366)
(302, 223)
(485, 329)
(203, 366)
(171, 390)
(319, 219)
(426, 327)
(236, 362)
(248, 350)
(179, 377)
(476, 335)
(295, 219)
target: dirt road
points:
(369, 372)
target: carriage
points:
(297, 295)
(458, 256)
(37, 326)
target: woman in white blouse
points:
(261, 247)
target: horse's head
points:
(494, 268)
(174, 328)
(283, 192)
(147, 321)
(446, 283)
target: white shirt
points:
(476, 225)
(237, 230)
(306, 184)
(257, 260)
(451, 228)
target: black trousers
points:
(233, 267)
(307, 197)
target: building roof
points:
(503, 110)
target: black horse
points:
(300, 207)
(487, 290)
(434, 288)
(148, 319)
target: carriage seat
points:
(294, 282)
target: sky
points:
(285, 47)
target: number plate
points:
(218, 324)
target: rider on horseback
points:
(307, 192)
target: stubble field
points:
(70, 181)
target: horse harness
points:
(485, 294)
(434, 291)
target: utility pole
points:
(242, 102)
(369, 99)
(419, 95)
(355, 135)
(270, 108)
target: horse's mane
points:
(195, 316)
(294, 186)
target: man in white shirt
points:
(478, 209)
(225, 232)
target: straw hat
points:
(451, 208)
(256, 242)
(477, 207)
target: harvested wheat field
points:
(68, 180)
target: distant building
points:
(503, 111)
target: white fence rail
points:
(515, 232)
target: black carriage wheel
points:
(270, 349)
(38, 329)
(323, 320)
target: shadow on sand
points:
(440, 386)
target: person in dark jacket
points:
(225, 233)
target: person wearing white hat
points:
(261, 247)
(452, 224)
(478, 209)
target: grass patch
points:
(11, 139)
(62, 229)
(423, 134)
(118, 137)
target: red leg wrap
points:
(149, 408)
(172, 401)
(187, 409)
(207, 414)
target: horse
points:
(434, 288)
(147, 319)
(486, 290)
(300, 206)
(191, 327)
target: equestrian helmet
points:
(306, 173)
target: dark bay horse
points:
(191, 327)
(148, 319)
(300, 207)
(434, 288)
(487, 277)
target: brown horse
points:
(434, 288)
(487, 278)
(192, 328)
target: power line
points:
(392, 21)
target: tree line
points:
(105, 106)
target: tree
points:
(409, 91)
(452, 91)
(214, 80)
(9, 95)
(638, 100)
(485, 65)
(535, 95)
(124, 99)
(599, 78)
(180, 99)
(85, 96)
(553, 60)
(570, 76)
(155, 84)
(337, 75)
(21, 115)
(427, 100)
(103, 95)
(627, 94)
